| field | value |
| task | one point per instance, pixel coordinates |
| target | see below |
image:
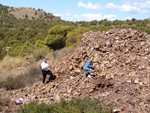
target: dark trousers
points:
(45, 73)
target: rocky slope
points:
(121, 75)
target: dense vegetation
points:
(86, 105)
(25, 35)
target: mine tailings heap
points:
(121, 75)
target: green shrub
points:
(39, 44)
(60, 30)
(2, 51)
(25, 50)
(73, 37)
(86, 105)
(55, 41)
(13, 43)
(15, 51)
(40, 53)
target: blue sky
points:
(87, 10)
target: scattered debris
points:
(19, 101)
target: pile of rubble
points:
(121, 75)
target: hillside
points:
(121, 76)
(20, 28)
(28, 14)
(24, 30)
(32, 14)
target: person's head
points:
(44, 59)
(92, 58)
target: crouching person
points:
(45, 70)
(88, 66)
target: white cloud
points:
(59, 14)
(123, 8)
(110, 17)
(131, 6)
(127, 18)
(138, 3)
(148, 2)
(111, 6)
(89, 6)
(83, 17)
(86, 17)
(90, 16)
(68, 14)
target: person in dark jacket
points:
(88, 66)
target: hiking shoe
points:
(51, 80)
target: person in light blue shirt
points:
(88, 66)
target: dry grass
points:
(4, 101)
(30, 76)
(29, 13)
(11, 67)
(40, 54)
(9, 63)
(58, 54)
(21, 12)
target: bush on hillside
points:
(86, 105)
(55, 41)
(39, 44)
(58, 54)
(31, 76)
(40, 53)
(14, 51)
(73, 37)
(26, 50)
(13, 43)
(2, 51)
(60, 30)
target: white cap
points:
(21, 99)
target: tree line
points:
(23, 36)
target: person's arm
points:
(87, 64)
(91, 64)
